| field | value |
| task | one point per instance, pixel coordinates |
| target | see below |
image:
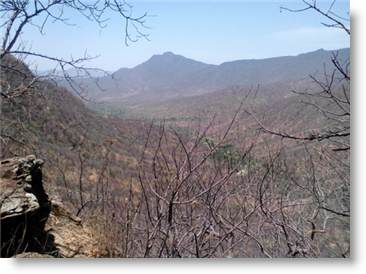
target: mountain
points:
(196, 177)
(161, 77)
(55, 125)
(169, 76)
(72, 72)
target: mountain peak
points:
(168, 53)
(169, 63)
(166, 56)
(168, 75)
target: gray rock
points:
(33, 226)
(24, 205)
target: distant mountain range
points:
(168, 76)
(72, 72)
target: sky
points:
(212, 32)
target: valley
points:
(177, 158)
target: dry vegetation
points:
(157, 191)
(242, 183)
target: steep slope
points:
(171, 192)
(74, 141)
(162, 76)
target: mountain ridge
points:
(170, 75)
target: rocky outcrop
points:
(31, 222)
(24, 205)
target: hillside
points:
(203, 180)
(74, 141)
(168, 76)
(203, 106)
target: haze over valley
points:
(175, 157)
(170, 86)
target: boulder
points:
(24, 205)
(21, 187)
(32, 224)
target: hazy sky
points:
(209, 31)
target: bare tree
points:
(318, 186)
(331, 98)
(336, 20)
(17, 79)
(16, 15)
(200, 194)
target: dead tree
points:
(16, 15)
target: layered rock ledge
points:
(32, 224)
